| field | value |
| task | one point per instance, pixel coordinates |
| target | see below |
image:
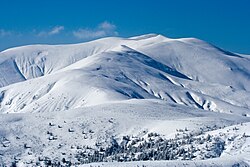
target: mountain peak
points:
(146, 36)
(145, 66)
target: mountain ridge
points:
(183, 71)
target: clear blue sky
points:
(225, 23)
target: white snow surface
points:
(147, 83)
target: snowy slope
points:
(214, 162)
(183, 71)
(189, 56)
(47, 134)
(158, 84)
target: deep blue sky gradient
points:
(225, 23)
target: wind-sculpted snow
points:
(121, 87)
(183, 71)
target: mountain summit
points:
(185, 71)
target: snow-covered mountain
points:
(168, 80)
(184, 71)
